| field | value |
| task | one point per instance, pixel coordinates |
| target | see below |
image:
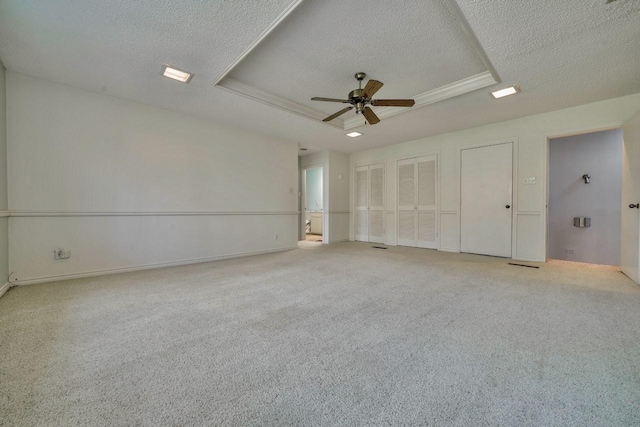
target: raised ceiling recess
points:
(422, 50)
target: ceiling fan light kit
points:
(360, 99)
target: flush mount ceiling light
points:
(506, 91)
(354, 134)
(176, 74)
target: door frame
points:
(514, 188)
(303, 203)
(583, 130)
(396, 211)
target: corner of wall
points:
(4, 220)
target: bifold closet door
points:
(486, 185)
(362, 204)
(427, 197)
(407, 202)
(417, 202)
(369, 216)
(376, 203)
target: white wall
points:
(599, 155)
(4, 238)
(339, 211)
(123, 185)
(529, 135)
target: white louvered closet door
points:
(376, 203)
(407, 206)
(427, 197)
(362, 204)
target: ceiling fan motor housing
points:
(356, 98)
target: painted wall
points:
(4, 220)
(314, 189)
(123, 185)
(339, 184)
(529, 135)
(599, 155)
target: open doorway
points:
(312, 199)
(585, 198)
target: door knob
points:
(636, 206)
(508, 206)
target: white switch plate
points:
(61, 254)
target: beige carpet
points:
(339, 334)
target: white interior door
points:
(407, 205)
(630, 239)
(376, 203)
(486, 185)
(362, 204)
(427, 197)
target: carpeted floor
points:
(330, 335)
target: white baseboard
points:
(338, 241)
(449, 250)
(4, 288)
(527, 259)
(141, 267)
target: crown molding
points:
(461, 87)
(479, 81)
(471, 36)
(257, 41)
(272, 100)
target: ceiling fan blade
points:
(339, 113)
(371, 88)
(393, 102)
(317, 98)
(370, 116)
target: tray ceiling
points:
(319, 47)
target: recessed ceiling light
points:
(176, 74)
(506, 92)
(354, 134)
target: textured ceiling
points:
(561, 53)
(412, 47)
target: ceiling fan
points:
(360, 98)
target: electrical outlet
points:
(530, 181)
(61, 254)
(570, 251)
